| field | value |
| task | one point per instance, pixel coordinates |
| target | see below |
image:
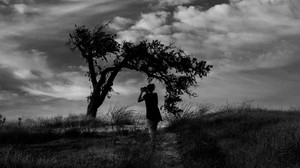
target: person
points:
(152, 111)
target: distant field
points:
(232, 137)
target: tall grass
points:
(241, 136)
(15, 158)
(231, 137)
(30, 131)
(73, 121)
(120, 116)
(107, 151)
(188, 113)
(12, 133)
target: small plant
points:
(2, 119)
(121, 116)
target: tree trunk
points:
(95, 102)
(92, 109)
(98, 96)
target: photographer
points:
(152, 111)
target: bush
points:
(121, 116)
(2, 119)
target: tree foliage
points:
(168, 64)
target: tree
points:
(105, 58)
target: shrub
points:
(2, 119)
(121, 116)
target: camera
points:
(144, 89)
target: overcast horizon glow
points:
(252, 44)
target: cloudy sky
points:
(252, 44)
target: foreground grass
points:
(241, 137)
(233, 137)
(75, 141)
(106, 151)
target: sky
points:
(252, 44)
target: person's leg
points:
(152, 132)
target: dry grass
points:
(232, 137)
(241, 136)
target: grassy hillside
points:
(231, 137)
(240, 137)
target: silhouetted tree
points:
(105, 58)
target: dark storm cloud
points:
(5, 9)
(9, 82)
(10, 2)
(206, 4)
(170, 5)
(48, 33)
(41, 76)
(26, 106)
(59, 56)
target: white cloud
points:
(240, 38)
(120, 23)
(131, 35)
(151, 21)
(236, 36)
(126, 90)
(59, 91)
(248, 17)
(148, 24)
(48, 21)
(282, 55)
(23, 64)
(241, 28)
(76, 89)
(23, 9)
(88, 6)
(245, 23)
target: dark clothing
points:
(152, 111)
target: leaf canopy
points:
(166, 63)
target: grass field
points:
(236, 137)
(231, 137)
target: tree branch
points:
(108, 84)
(93, 74)
(109, 69)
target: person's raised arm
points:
(156, 99)
(141, 98)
